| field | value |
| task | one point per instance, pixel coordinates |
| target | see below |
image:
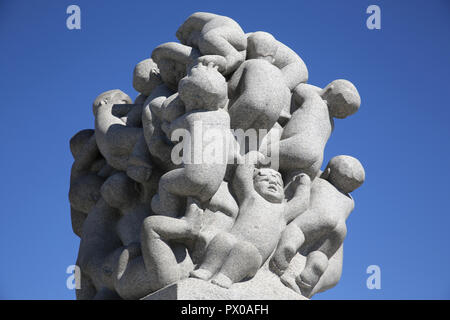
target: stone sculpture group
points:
(212, 175)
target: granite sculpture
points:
(209, 184)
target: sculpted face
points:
(171, 72)
(111, 97)
(269, 184)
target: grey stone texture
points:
(209, 184)
(263, 286)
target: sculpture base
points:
(264, 286)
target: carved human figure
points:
(110, 234)
(322, 227)
(294, 70)
(262, 44)
(140, 162)
(158, 144)
(173, 60)
(219, 39)
(304, 137)
(146, 77)
(194, 230)
(204, 94)
(258, 94)
(263, 214)
(115, 137)
(260, 89)
(145, 220)
(86, 178)
(98, 253)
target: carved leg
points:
(217, 252)
(243, 262)
(158, 255)
(316, 264)
(291, 240)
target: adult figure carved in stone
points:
(219, 39)
(263, 214)
(204, 94)
(304, 137)
(194, 230)
(322, 227)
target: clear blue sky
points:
(49, 76)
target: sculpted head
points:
(269, 184)
(342, 98)
(261, 45)
(171, 72)
(173, 59)
(203, 88)
(115, 96)
(146, 77)
(79, 140)
(345, 173)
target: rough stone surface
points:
(264, 286)
(209, 184)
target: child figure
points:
(260, 89)
(86, 177)
(115, 137)
(263, 44)
(322, 227)
(263, 214)
(304, 137)
(204, 94)
(194, 230)
(220, 39)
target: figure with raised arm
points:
(204, 94)
(263, 214)
(322, 227)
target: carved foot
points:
(222, 280)
(201, 274)
(289, 281)
(305, 288)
